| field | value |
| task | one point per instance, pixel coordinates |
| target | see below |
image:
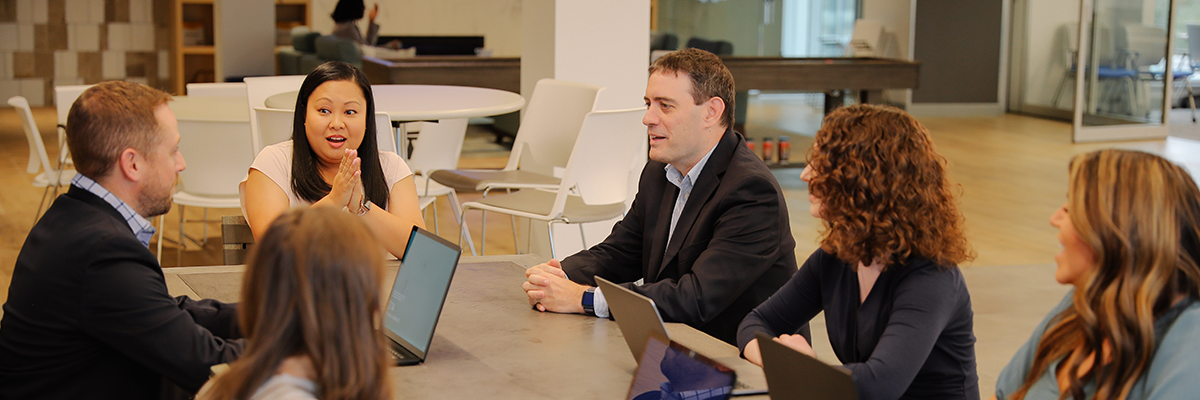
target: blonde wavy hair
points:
(1139, 213)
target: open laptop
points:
(669, 367)
(638, 319)
(417, 296)
(793, 375)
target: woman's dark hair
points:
(306, 181)
(348, 11)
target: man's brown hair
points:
(709, 77)
(109, 118)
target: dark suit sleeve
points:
(126, 305)
(797, 302)
(744, 243)
(219, 318)
(619, 257)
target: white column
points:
(604, 43)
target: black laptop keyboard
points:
(397, 356)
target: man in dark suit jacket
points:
(88, 313)
(707, 237)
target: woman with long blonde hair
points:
(897, 310)
(310, 302)
(1130, 327)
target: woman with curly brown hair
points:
(896, 307)
(1130, 232)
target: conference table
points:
(410, 103)
(489, 343)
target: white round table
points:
(407, 103)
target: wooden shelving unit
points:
(290, 14)
(196, 43)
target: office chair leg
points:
(550, 233)
(1191, 99)
(182, 240)
(482, 231)
(456, 207)
(582, 239)
(436, 231)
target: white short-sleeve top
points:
(275, 161)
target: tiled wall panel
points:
(71, 42)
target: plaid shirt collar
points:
(140, 226)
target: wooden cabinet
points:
(197, 33)
(290, 14)
(197, 46)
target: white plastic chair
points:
(50, 178)
(595, 183)
(438, 148)
(219, 89)
(259, 88)
(217, 155)
(64, 97)
(867, 39)
(274, 126)
(544, 140)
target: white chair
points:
(547, 133)
(384, 133)
(50, 178)
(438, 148)
(867, 39)
(64, 97)
(217, 155)
(219, 89)
(259, 88)
(596, 180)
(274, 126)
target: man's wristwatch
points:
(589, 301)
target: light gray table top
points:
(490, 344)
(428, 102)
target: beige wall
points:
(498, 21)
(44, 43)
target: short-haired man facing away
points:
(88, 313)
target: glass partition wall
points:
(1122, 88)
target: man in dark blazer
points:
(88, 314)
(707, 237)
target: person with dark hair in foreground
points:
(88, 313)
(333, 160)
(1130, 232)
(310, 301)
(896, 306)
(707, 237)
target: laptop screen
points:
(420, 290)
(668, 370)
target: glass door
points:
(1123, 85)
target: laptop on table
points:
(668, 369)
(638, 319)
(418, 294)
(793, 375)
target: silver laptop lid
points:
(636, 315)
(419, 291)
(792, 375)
(667, 369)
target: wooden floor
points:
(1012, 171)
